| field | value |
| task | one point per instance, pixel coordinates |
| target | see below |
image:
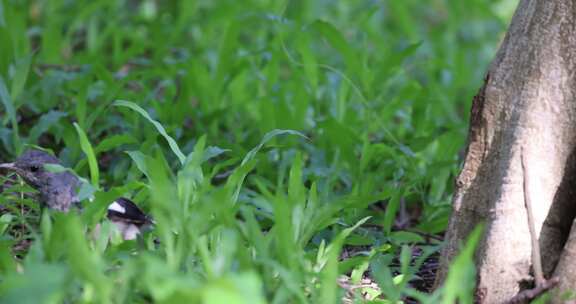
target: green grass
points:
(278, 144)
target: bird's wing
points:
(125, 210)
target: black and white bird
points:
(128, 218)
(58, 191)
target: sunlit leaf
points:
(89, 152)
(171, 142)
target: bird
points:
(128, 218)
(58, 191)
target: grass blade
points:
(45, 122)
(463, 270)
(171, 142)
(89, 152)
(11, 111)
(20, 76)
(267, 137)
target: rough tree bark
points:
(526, 103)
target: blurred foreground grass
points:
(305, 143)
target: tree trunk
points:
(527, 104)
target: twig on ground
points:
(542, 285)
(536, 260)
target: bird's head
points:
(57, 189)
(30, 166)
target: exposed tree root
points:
(528, 295)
